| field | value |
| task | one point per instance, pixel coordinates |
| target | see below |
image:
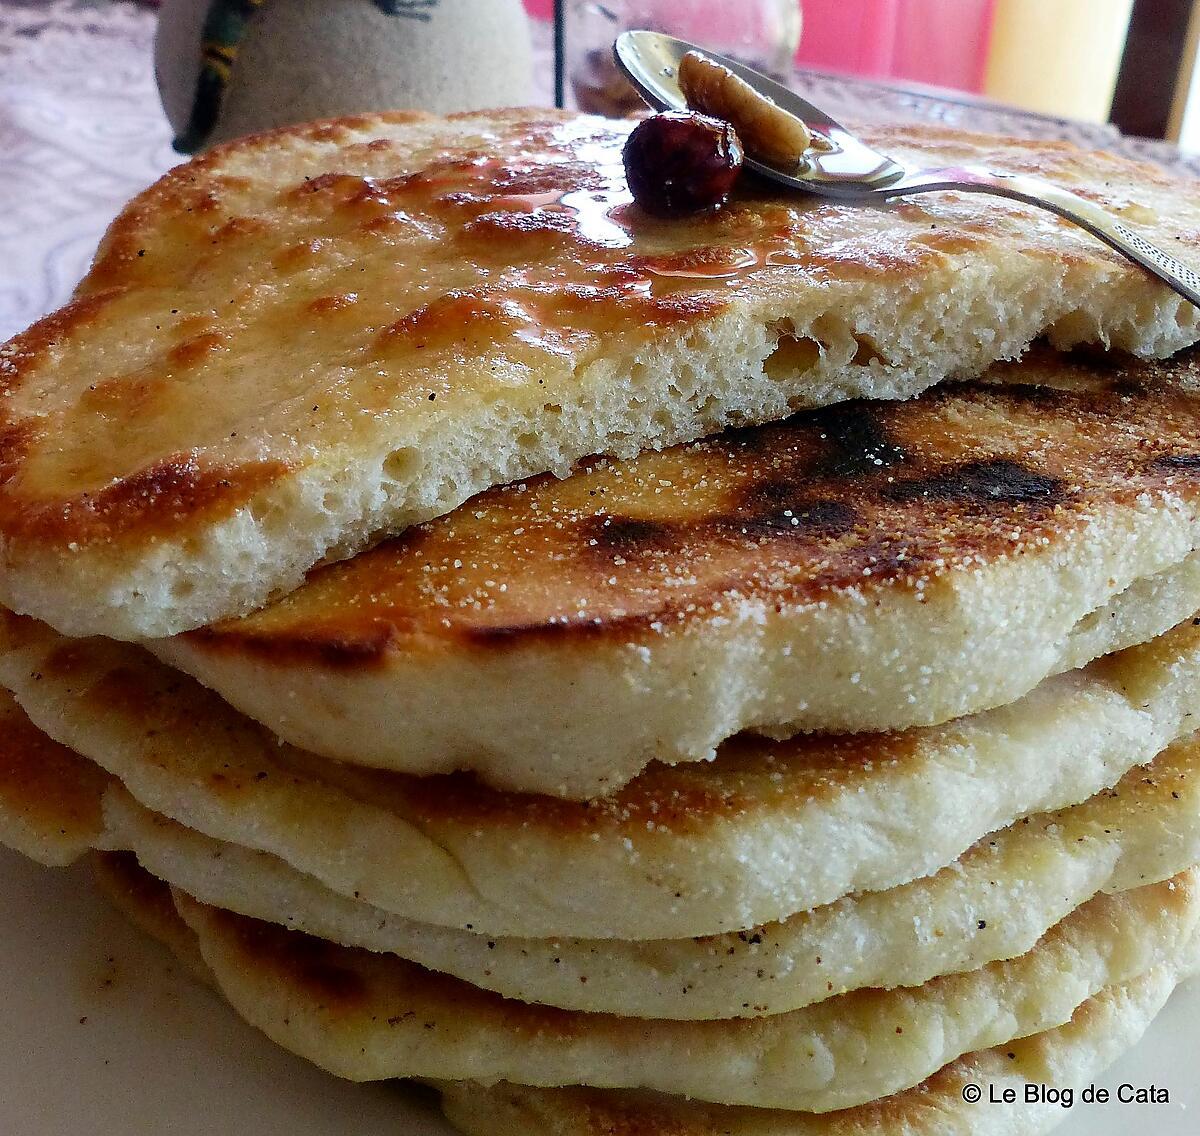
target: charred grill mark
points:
(629, 535)
(823, 519)
(503, 634)
(999, 481)
(1177, 463)
(858, 441)
(780, 509)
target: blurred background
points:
(1131, 62)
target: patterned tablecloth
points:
(81, 131)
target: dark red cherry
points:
(681, 163)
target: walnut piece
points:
(767, 130)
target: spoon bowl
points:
(651, 62)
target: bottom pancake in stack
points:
(818, 936)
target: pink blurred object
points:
(940, 42)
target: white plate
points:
(136, 1047)
(101, 1033)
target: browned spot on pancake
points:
(623, 1113)
(327, 305)
(341, 190)
(545, 178)
(952, 241)
(194, 208)
(383, 224)
(507, 226)
(19, 630)
(131, 394)
(457, 318)
(143, 894)
(871, 262)
(365, 647)
(237, 227)
(164, 499)
(193, 326)
(749, 775)
(704, 261)
(15, 443)
(593, 306)
(69, 660)
(313, 965)
(997, 482)
(23, 351)
(134, 693)
(331, 132)
(43, 781)
(370, 994)
(192, 352)
(293, 256)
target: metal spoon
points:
(851, 171)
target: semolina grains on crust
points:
(307, 340)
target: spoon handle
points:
(1087, 214)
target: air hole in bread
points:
(865, 352)
(663, 420)
(793, 355)
(401, 464)
(272, 520)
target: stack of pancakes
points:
(785, 781)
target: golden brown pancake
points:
(1069, 1056)
(369, 1017)
(992, 903)
(309, 339)
(868, 566)
(766, 830)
